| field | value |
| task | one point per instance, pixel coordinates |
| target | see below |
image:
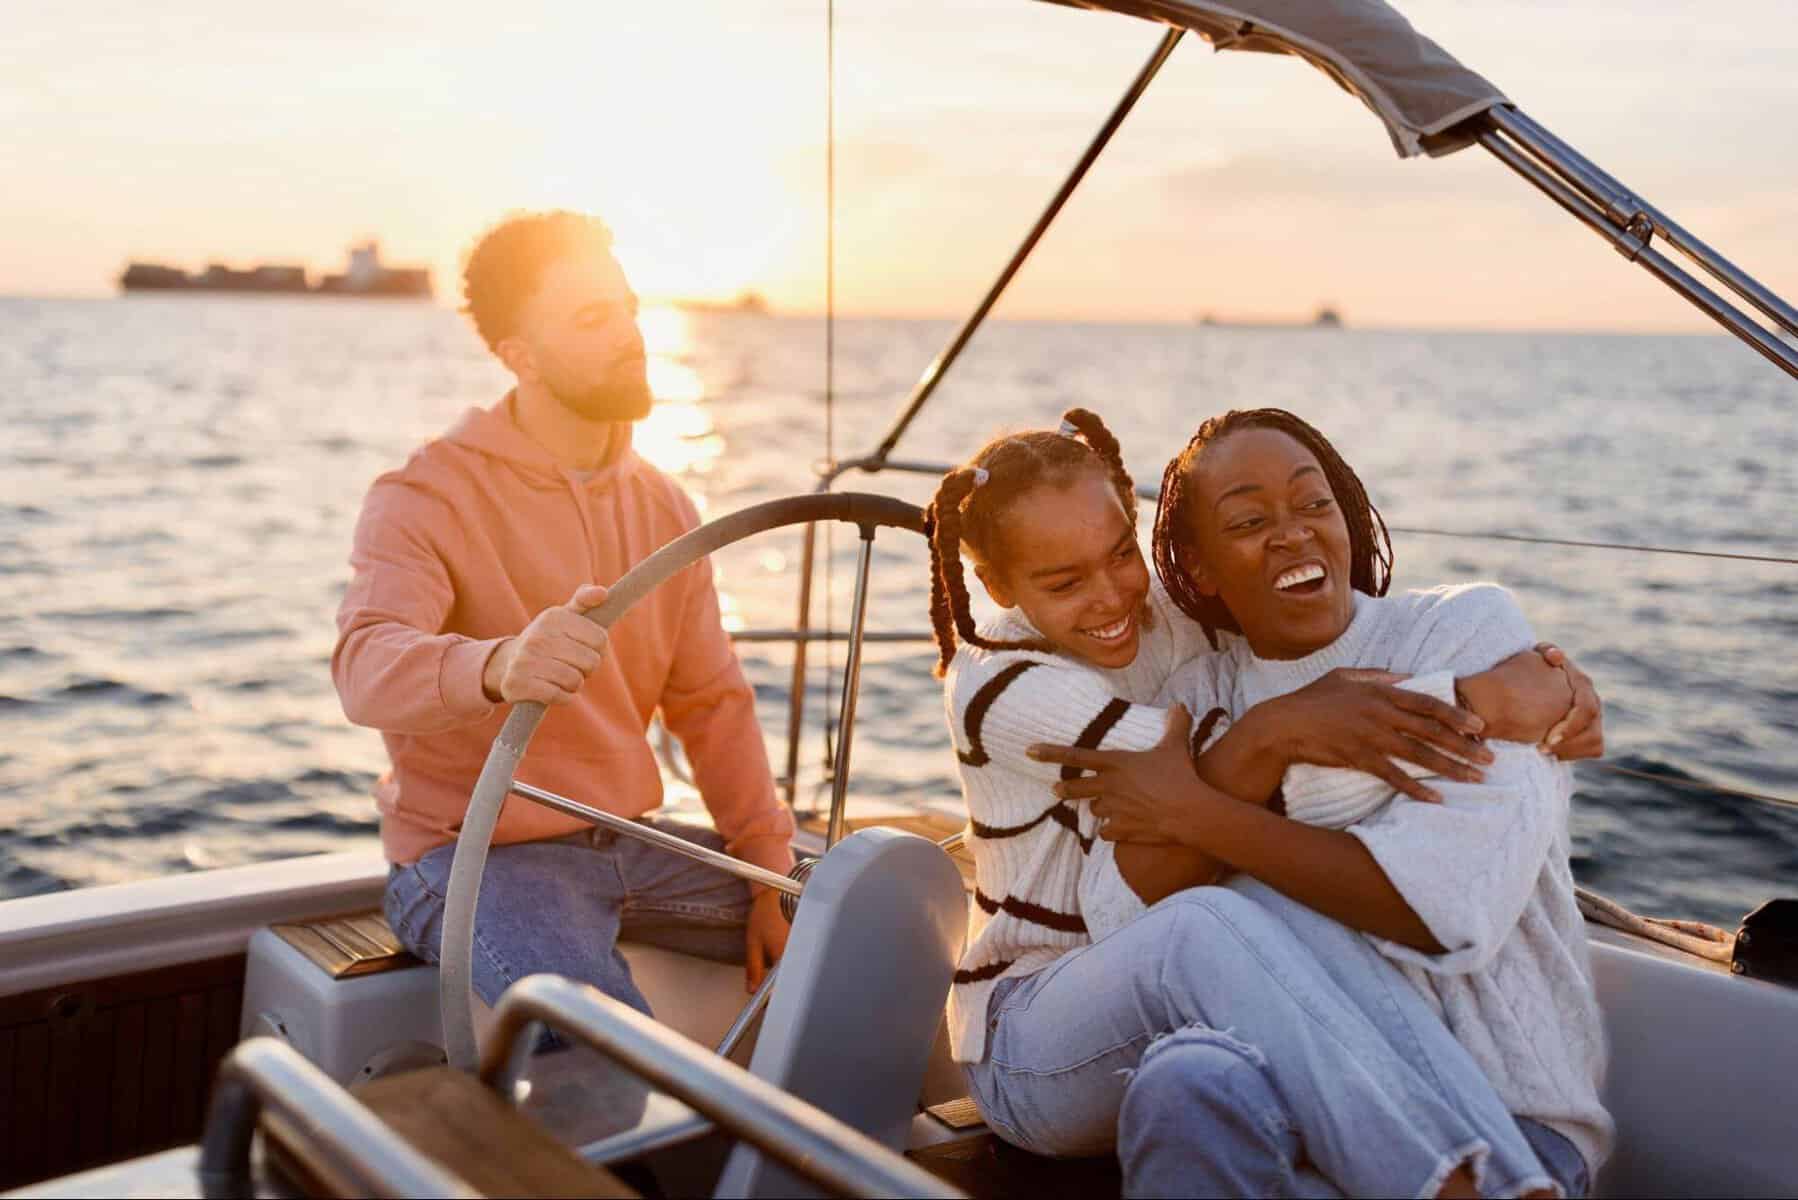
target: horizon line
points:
(1298, 324)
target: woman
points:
(1049, 1022)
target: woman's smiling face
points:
(1272, 542)
(1068, 558)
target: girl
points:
(1345, 1066)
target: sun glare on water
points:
(677, 436)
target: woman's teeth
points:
(1116, 631)
(1308, 573)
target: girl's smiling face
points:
(1068, 559)
(1272, 542)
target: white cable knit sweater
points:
(1487, 870)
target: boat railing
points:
(798, 1135)
(266, 1074)
(1630, 224)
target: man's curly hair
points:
(506, 263)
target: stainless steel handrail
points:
(1624, 208)
(1601, 204)
(803, 1138)
(264, 1072)
(852, 685)
(655, 837)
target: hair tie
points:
(1069, 429)
(981, 475)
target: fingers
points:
(755, 966)
(569, 624)
(1458, 719)
(1577, 726)
(1179, 727)
(1407, 729)
(589, 596)
(1070, 756)
(1087, 787)
(1402, 783)
(1368, 675)
(1413, 749)
(1587, 744)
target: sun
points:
(687, 168)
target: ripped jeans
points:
(1231, 1042)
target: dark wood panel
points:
(31, 1090)
(62, 1091)
(98, 1051)
(127, 1080)
(192, 1073)
(26, 1007)
(156, 1124)
(94, 1072)
(8, 1040)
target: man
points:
(472, 566)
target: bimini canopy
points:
(1412, 84)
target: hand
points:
(1358, 719)
(764, 938)
(552, 658)
(1580, 733)
(1147, 795)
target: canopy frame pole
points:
(1559, 178)
(927, 384)
(1624, 209)
(933, 374)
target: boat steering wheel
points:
(455, 982)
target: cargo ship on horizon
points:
(364, 275)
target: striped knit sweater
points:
(1044, 880)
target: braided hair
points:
(1176, 546)
(966, 514)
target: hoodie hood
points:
(494, 432)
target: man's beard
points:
(622, 395)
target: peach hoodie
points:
(479, 532)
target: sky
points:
(1244, 185)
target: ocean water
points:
(179, 477)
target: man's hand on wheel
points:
(765, 938)
(552, 658)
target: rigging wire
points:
(830, 343)
(1546, 541)
(1690, 785)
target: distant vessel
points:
(1326, 317)
(749, 303)
(365, 275)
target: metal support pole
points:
(746, 1018)
(796, 687)
(934, 373)
(1623, 207)
(852, 680)
(655, 837)
(1656, 263)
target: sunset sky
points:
(200, 130)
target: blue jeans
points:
(562, 905)
(1231, 1042)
